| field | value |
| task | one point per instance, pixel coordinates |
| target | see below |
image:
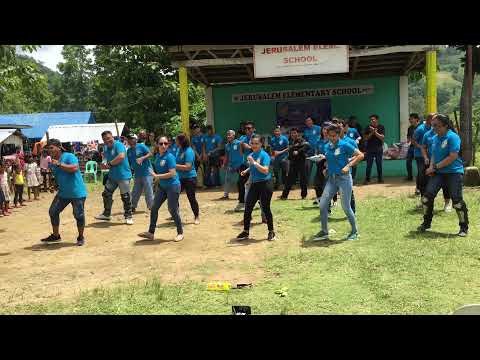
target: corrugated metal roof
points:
(82, 133)
(5, 133)
(41, 121)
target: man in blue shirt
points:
(119, 176)
(211, 144)
(246, 149)
(197, 146)
(422, 163)
(352, 134)
(138, 156)
(311, 134)
(279, 146)
(233, 161)
(71, 190)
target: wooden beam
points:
(250, 72)
(414, 64)
(213, 55)
(182, 48)
(390, 50)
(213, 62)
(204, 79)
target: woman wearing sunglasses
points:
(260, 188)
(341, 157)
(446, 167)
(168, 189)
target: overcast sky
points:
(49, 55)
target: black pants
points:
(454, 182)
(241, 184)
(354, 172)
(409, 163)
(296, 169)
(423, 179)
(280, 167)
(262, 191)
(189, 185)
(18, 198)
(378, 156)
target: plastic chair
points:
(91, 169)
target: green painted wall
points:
(384, 101)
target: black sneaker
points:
(80, 241)
(463, 232)
(133, 210)
(271, 236)
(424, 227)
(52, 238)
(243, 235)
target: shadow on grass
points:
(223, 200)
(235, 242)
(428, 235)
(145, 242)
(330, 219)
(5, 254)
(240, 224)
(320, 243)
(53, 246)
(103, 224)
(420, 212)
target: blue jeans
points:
(172, 193)
(333, 184)
(454, 183)
(142, 184)
(378, 156)
(59, 204)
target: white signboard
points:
(304, 93)
(294, 60)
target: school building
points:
(369, 79)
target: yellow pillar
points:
(431, 72)
(184, 112)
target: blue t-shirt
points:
(320, 149)
(418, 136)
(120, 171)
(352, 133)
(197, 142)
(164, 163)
(442, 146)
(235, 159)
(338, 156)
(312, 135)
(173, 149)
(183, 157)
(427, 140)
(212, 142)
(350, 141)
(278, 144)
(133, 154)
(70, 185)
(245, 139)
(263, 159)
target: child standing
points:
(5, 188)
(31, 177)
(19, 182)
(38, 174)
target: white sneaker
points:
(179, 237)
(103, 217)
(448, 207)
(129, 221)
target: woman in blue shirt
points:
(187, 173)
(260, 188)
(446, 167)
(168, 188)
(341, 157)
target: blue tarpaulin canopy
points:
(41, 121)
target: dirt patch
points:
(34, 272)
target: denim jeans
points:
(229, 181)
(110, 187)
(170, 193)
(369, 157)
(454, 182)
(59, 204)
(142, 184)
(333, 184)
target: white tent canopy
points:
(82, 133)
(7, 137)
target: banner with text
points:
(293, 60)
(304, 93)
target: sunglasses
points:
(162, 144)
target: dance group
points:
(164, 172)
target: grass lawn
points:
(390, 270)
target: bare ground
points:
(34, 272)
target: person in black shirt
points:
(375, 136)
(296, 155)
(414, 120)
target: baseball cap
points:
(55, 142)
